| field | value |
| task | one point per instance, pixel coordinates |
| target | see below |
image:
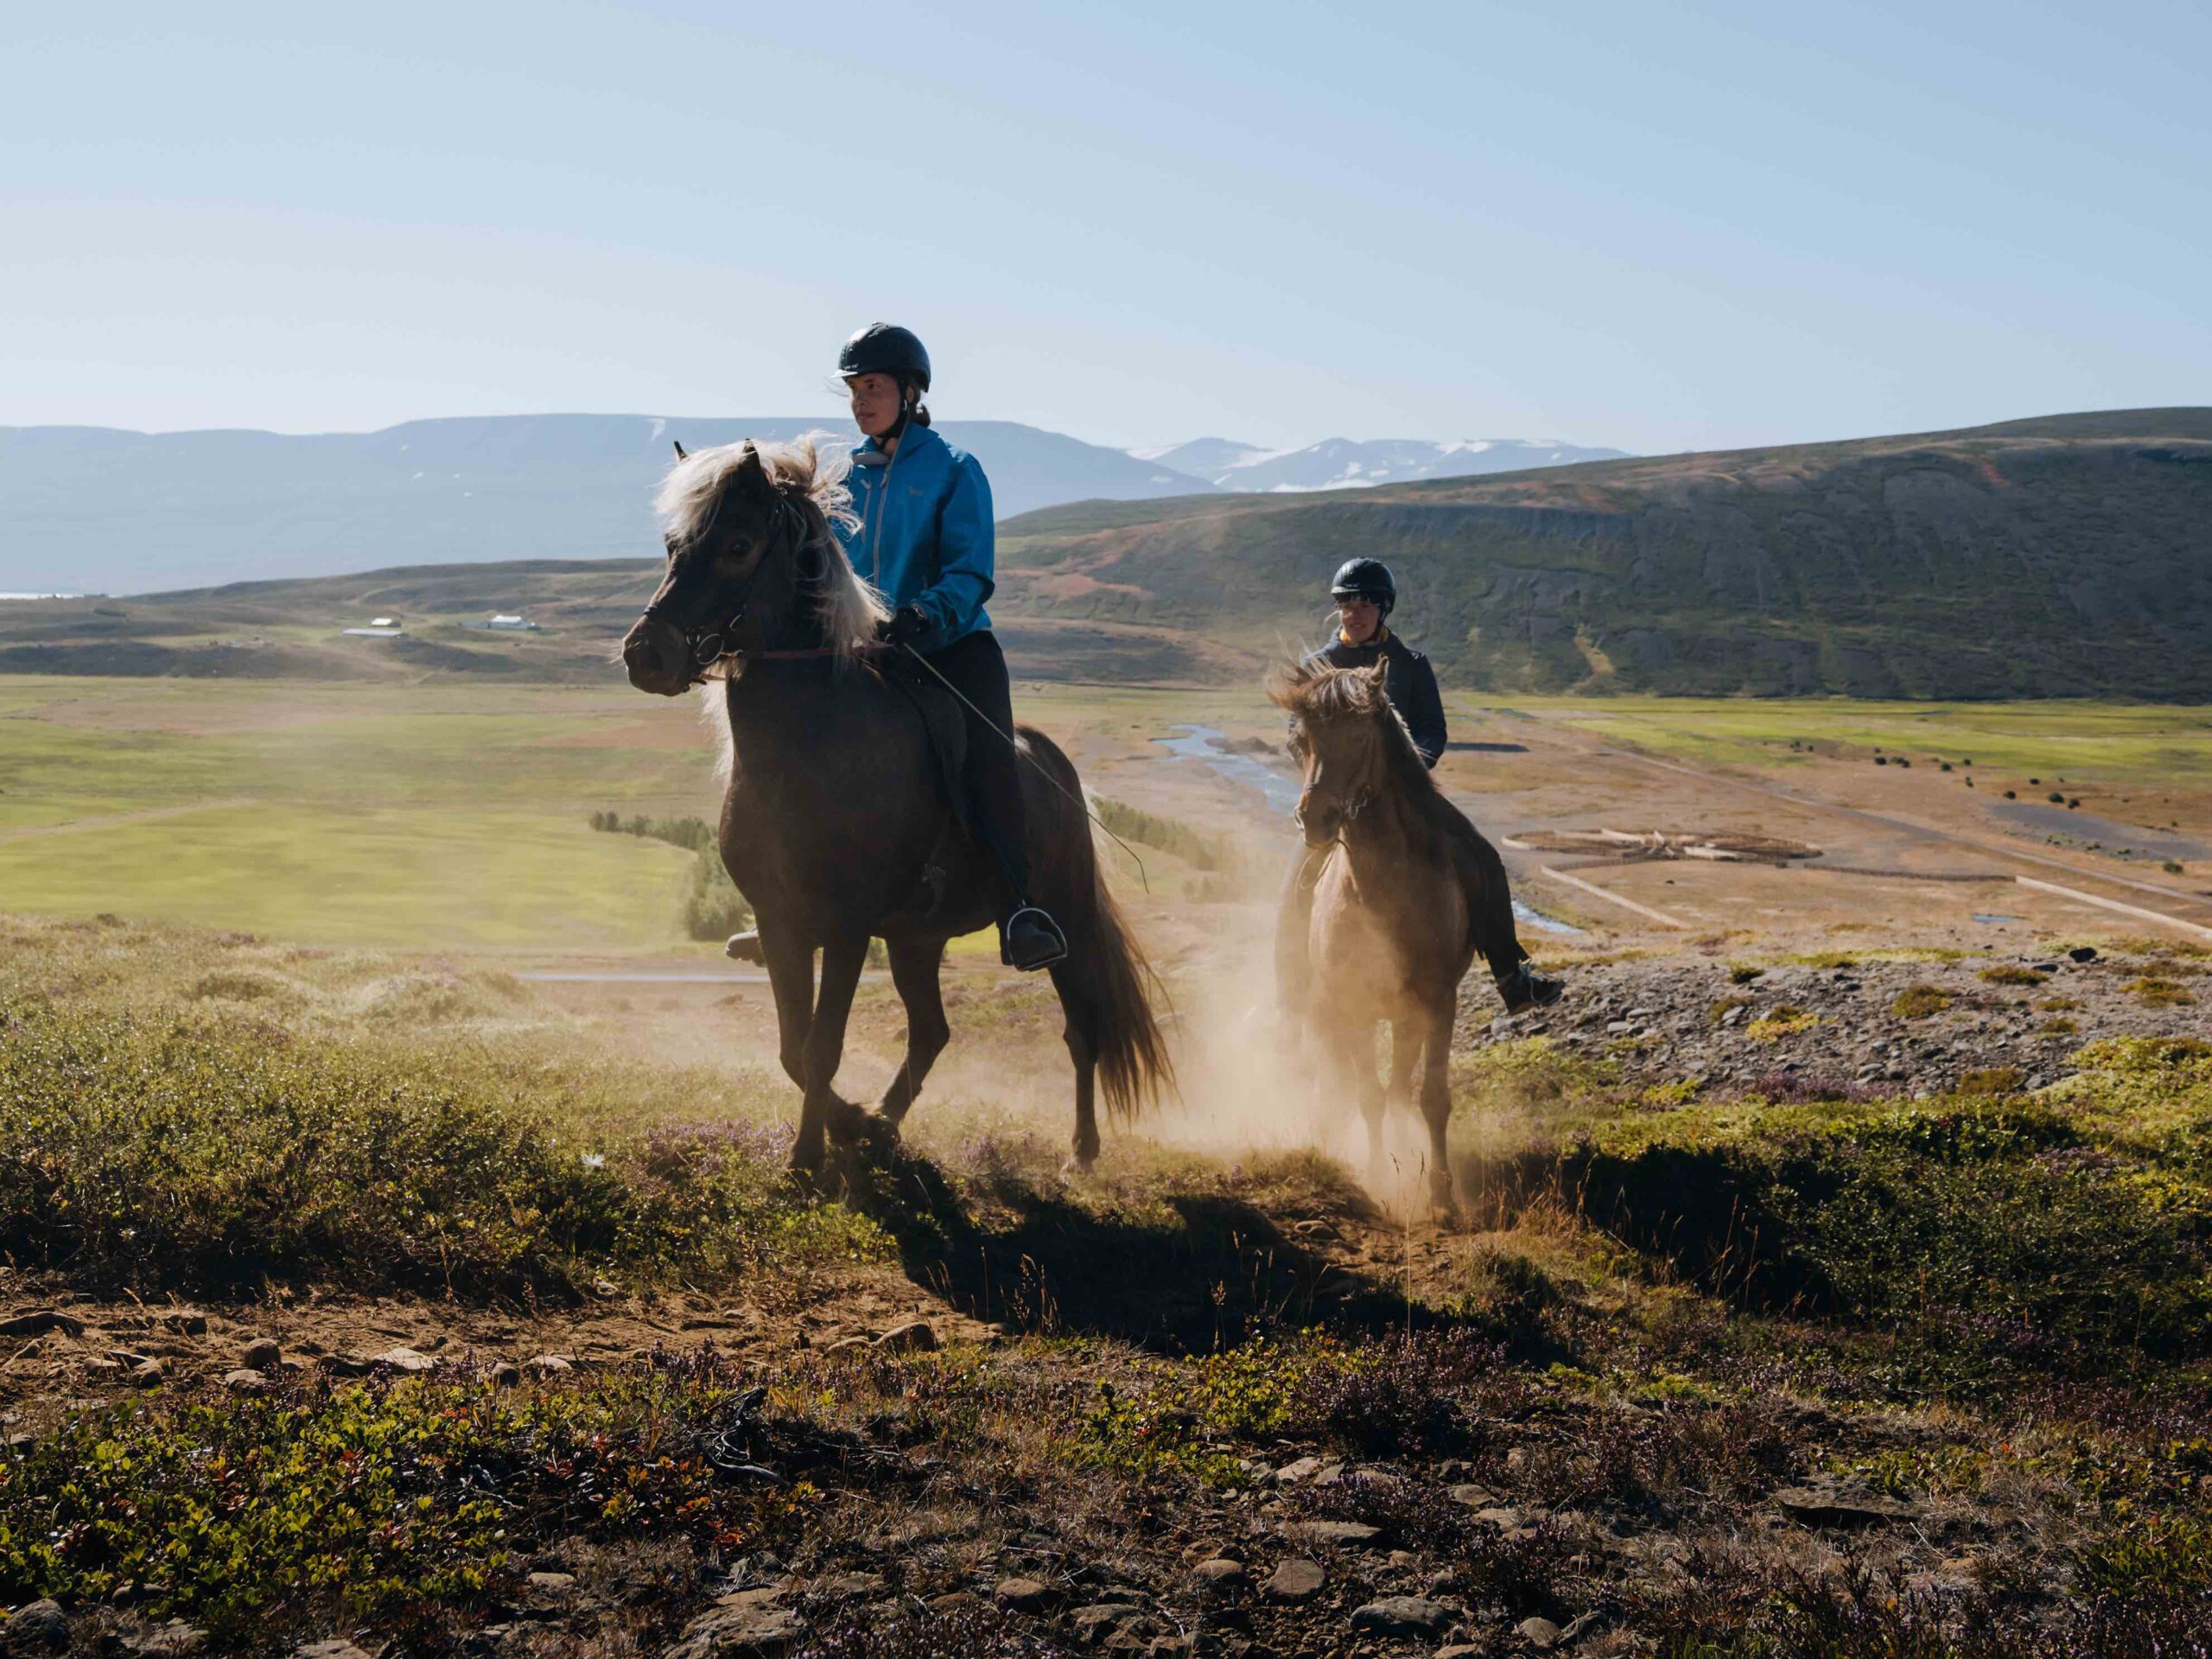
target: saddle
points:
(945, 723)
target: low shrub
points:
(408, 1503)
(136, 1154)
(1919, 1001)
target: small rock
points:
(407, 1361)
(505, 1374)
(36, 1627)
(1221, 1573)
(147, 1373)
(1837, 1506)
(2083, 953)
(848, 1348)
(1296, 1580)
(1474, 1497)
(1303, 1469)
(552, 1582)
(40, 1320)
(1502, 1518)
(750, 1630)
(1414, 1617)
(549, 1365)
(1094, 1623)
(1539, 1632)
(243, 1380)
(262, 1354)
(174, 1640)
(1023, 1595)
(185, 1323)
(1350, 1533)
(916, 1337)
(853, 1586)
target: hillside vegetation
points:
(2065, 556)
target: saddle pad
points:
(944, 721)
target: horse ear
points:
(750, 474)
(680, 456)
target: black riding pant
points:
(976, 667)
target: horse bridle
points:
(1349, 811)
(698, 641)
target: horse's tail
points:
(1106, 984)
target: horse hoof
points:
(847, 1122)
(878, 1134)
(1079, 1163)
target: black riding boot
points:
(1028, 939)
(1489, 913)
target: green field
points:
(435, 816)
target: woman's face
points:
(875, 403)
(1359, 617)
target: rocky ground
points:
(1843, 1024)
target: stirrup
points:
(744, 947)
(1046, 945)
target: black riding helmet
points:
(1368, 578)
(886, 348)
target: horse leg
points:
(1357, 1049)
(914, 969)
(1405, 1050)
(1436, 1097)
(791, 976)
(825, 1041)
(1086, 1074)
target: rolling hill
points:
(2063, 556)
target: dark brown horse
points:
(836, 826)
(1391, 931)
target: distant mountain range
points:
(93, 509)
(2064, 556)
(1345, 463)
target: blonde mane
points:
(1316, 694)
(809, 473)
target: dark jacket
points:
(1409, 679)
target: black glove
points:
(908, 624)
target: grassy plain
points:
(454, 815)
(2114, 742)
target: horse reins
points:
(695, 641)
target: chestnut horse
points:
(1391, 936)
(836, 826)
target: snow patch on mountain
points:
(1347, 463)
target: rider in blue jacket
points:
(924, 537)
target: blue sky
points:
(1659, 227)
